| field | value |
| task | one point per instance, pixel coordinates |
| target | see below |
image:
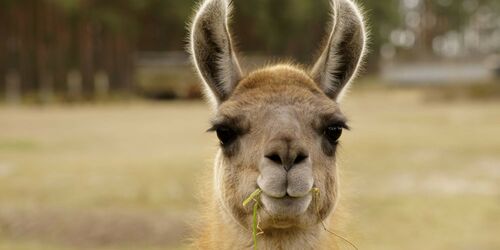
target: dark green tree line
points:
(45, 41)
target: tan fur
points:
(279, 111)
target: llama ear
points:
(212, 51)
(345, 48)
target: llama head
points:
(279, 126)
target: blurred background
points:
(102, 124)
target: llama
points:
(279, 128)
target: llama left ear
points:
(212, 50)
(345, 48)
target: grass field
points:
(415, 174)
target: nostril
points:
(300, 158)
(275, 158)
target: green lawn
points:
(415, 175)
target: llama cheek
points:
(328, 148)
(231, 150)
(329, 201)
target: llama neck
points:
(226, 233)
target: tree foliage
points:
(44, 37)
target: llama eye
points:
(333, 133)
(226, 135)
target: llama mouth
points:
(299, 190)
(286, 206)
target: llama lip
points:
(286, 195)
(286, 206)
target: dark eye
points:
(226, 135)
(333, 133)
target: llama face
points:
(279, 133)
(279, 126)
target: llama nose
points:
(287, 158)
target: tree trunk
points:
(24, 16)
(61, 52)
(86, 57)
(4, 33)
(44, 77)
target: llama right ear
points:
(344, 51)
(212, 51)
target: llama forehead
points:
(278, 95)
(278, 76)
(281, 85)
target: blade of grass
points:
(255, 224)
(316, 198)
(252, 197)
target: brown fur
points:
(280, 115)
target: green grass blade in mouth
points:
(252, 196)
(254, 224)
(255, 220)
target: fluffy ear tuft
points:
(212, 51)
(344, 50)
